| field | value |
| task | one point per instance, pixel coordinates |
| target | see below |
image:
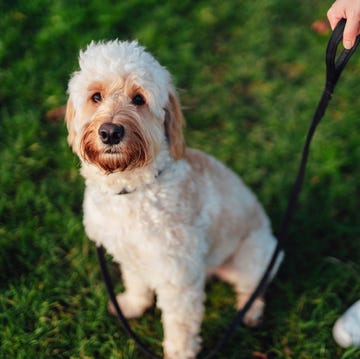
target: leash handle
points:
(335, 65)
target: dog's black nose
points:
(111, 134)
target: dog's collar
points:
(125, 191)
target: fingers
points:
(350, 10)
(334, 15)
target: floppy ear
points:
(69, 117)
(174, 123)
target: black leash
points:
(334, 67)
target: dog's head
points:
(122, 108)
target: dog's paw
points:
(184, 345)
(254, 315)
(180, 354)
(131, 306)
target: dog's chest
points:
(128, 225)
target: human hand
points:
(349, 10)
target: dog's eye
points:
(138, 100)
(96, 97)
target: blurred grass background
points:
(250, 74)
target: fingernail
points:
(348, 44)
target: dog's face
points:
(122, 108)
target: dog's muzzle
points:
(111, 134)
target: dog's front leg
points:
(182, 312)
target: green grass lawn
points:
(250, 74)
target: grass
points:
(250, 74)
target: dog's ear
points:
(69, 117)
(174, 123)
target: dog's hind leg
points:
(136, 298)
(245, 268)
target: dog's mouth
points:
(114, 147)
(113, 150)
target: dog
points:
(170, 216)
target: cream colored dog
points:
(169, 215)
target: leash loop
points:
(335, 65)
